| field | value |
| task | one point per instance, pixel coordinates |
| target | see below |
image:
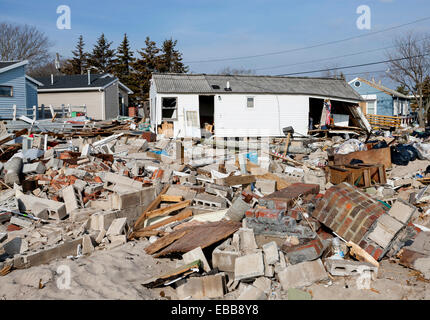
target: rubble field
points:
(111, 210)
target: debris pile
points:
(263, 223)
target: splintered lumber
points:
(360, 254)
(146, 233)
(149, 231)
(169, 209)
(169, 276)
(202, 236)
(165, 241)
(154, 204)
(169, 198)
(238, 180)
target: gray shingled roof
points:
(74, 81)
(202, 83)
(4, 64)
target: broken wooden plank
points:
(165, 241)
(154, 204)
(169, 209)
(170, 276)
(202, 236)
(169, 198)
(361, 254)
(239, 180)
(145, 232)
(280, 183)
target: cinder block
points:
(385, 230)
(402, 211)
(57, 210)
(302, 274)
(117, 227)
(341, 267)
(224, 260)
(271, 252)
(249, 266)
(202, 287)
(37, 167)
(196, 254)
(247, 240)
(70, 199)
(252, 293)
(304, 252)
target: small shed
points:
(248, 105)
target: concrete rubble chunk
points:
(15, 246)
(271, 252)
(87, 245)
(202, 287)
(37, 167)
(196, 254)
(56, 209)
(302, 275)
(264, 284)
(117, 227)
(251, 292)
(249, 266)
(341, 267)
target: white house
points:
(244, 105)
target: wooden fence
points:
(386, 122)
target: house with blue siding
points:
(380, 100)
(16, 88)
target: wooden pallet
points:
(360, 175)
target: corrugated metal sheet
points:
(201, 83)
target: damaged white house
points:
(249, 105)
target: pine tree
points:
(102, 56)
(170, 58)
(144, 66)
(78, 63)
(402, 90)
(124, 59)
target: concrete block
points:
(124, 199)
(82, 214)
(21, 222)
(252, 293)
(271, 252)
(202, 287)
(100, 236)
(196, 254)
(210, 200)
(249, 266)
(57, 210)
(117, 227)
(264, 284)
(247, 240)
(37, 167)
(87, 245)
(80, 185)
(70, 199)
(116, 240)
(266, 186)
(237, 210)
(54, 164)
(402, 211)
(15, 246)
(385, 230)
(269, 270)
(119, 179)
(341, 267)
(224, 260)
(302, 274)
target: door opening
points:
(206, 111)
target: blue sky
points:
(222, 29)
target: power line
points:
(330, 58)
(308, 47)
(353, 66)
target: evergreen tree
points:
(171, 59)
(78, 63)
(102, 56)
(144, 66)
(402, 90)
(124, 59)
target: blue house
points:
(16, 88)
(380, 100)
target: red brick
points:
(362, 244)
(377, 253)
(370, 249)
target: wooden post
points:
(287, 142)
(14, 112)
(34, 113)
(52, 110)
(43, 111)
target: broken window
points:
(250, 102)
(169, 108)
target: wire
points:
(308, 47)
(331, 58)
(354, 66)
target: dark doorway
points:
(206, 110)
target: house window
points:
(169, 108)
(192, 119)
(250, 102)
(6, 91)
(371, 107)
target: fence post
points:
(63, 111)
(70, 110)
(42, 107)
(34, 113)
(85, 109)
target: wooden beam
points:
(165, 211)
(165, 241)
(169, 198)
(154, 204)
(238, 180)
